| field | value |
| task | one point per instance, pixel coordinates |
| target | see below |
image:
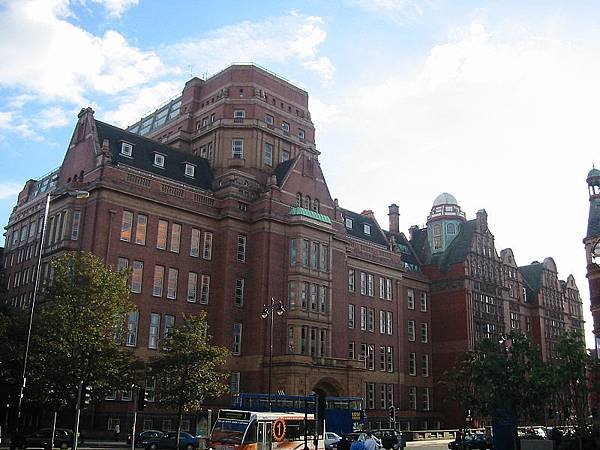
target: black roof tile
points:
(143, 157)
(282, 169)
(357, 230)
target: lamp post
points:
(276, 307)
(49, 197)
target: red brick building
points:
(217, 202)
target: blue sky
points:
(493, 101)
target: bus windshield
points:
(229, 431)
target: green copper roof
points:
(297, 211)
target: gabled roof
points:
(358, 227)
(143, 152)
(282, 170)
(404, 247)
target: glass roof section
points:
(158, 118)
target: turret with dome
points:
(444, 222)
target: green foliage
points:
(13, 333)
(506, 375)
(189, 368)
(83, 310)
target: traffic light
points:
(142, 399)
(392, 413)
(87, 395)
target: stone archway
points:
(325, 387)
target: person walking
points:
(358, 443)
(117, 431)
(343, 444)
(370, 443)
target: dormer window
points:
(126, 149)
(285, 127)
(301, 134)
(349, 223)
(159, 160)
(189, 170)
(367, 229)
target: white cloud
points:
(116, 8)
(281, 39)
(401, 11)
(54, 59)
(9, 189)
(503, 123)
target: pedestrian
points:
(370, 443)
(343, 444)
(458, 438)
(358, 443)
(117, 431)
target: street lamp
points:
(49, 198)
(276, 307)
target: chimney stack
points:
(394, 216)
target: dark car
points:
(145, 437)
(390, 438)
(167, 441)
(63, 438)
(471, 441)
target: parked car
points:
(167, 441)
(471, 441)
(330, 439)
(63, 438)
(390, 438)
(144, 437)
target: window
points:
(370, 282)
(238, 299)
(237, 148)
(189, 170)
(237, 339)
(381, 287)
(126, 225)
(132, 325)
(371, 357)
(410, 298)
(122, 263)
(299, 199)
(74, 226)
(301, 134)
(323, 299)
(126, 149)
(316, 205)
(195, 243)
(269, 119)
(234, 385)
(161, 237)
(305, 245)
(290, 340)
(293, 252)
(313, 341)
(285, 127)
(382, 322)
(285, 155)
(175, 237)
(304, 340)
(241, 248)
(348, 222)
(126, 396)
(425, 399)
(307, 202)
(424, 332)
(390, 358)
(371, 395)
(154, 331)
(411, 330)
(351, 312)
(204, 289)
(304, 295)
(172, 283)
(390, 391)
(351, 350)
(239, 114)
(412, 364)
(140, 229)
(362, 356)
(424, 301)
(363, 283)
(351, 280)
(363, 318)
(390, 323)
(268, 154)
(292, 294)
(157, 284)
(151, 389)
(412, 398)
(207, 248)
(324, 262)
(371, 319)
(159, 160)
(192, 286)
(314, 255)
(425, 365)
(136, 277)
(388, 284)
(382, 396)
(313, 297)
(367, 229)
(169, 324)
(382, 358)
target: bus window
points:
(251, 434)
(229, 431)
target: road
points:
(428, 445)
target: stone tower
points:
(592, 250)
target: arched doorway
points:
(326, 387)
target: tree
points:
(79, 330)
(189, 368)
(504, 379)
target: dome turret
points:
(444, 222)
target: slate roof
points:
(456, 252)
(142, 157)
(593, 228)
(532, 275)
(357, 230)
(282, 169)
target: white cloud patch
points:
(9, 189)
(274, 40)
(401, 11)
(54, 59)
(116, 8)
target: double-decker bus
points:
(253, 430)
(342, 414)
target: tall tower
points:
(592, 250)
(444, 222)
